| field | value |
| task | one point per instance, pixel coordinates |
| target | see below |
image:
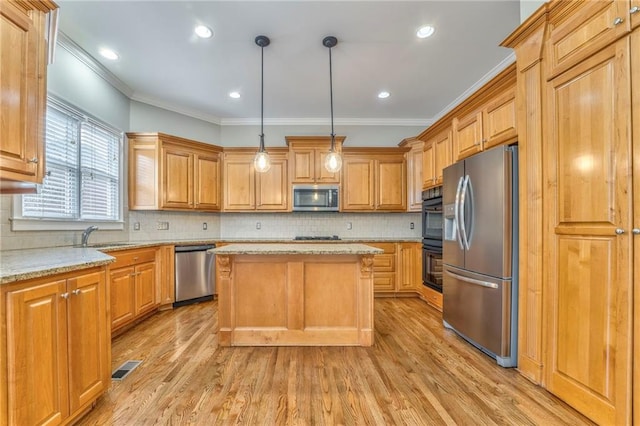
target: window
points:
(82, 163)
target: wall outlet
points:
(349, 225)
(136, 226)
(258, 225)
(204, 226)
(411, 225)
(162, 226)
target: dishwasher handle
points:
(185, 249)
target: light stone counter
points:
(297, 248)
(19, 265)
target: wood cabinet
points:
(578, 74)
(397, 270)
(492, 124)
(436, 156)
(171, 173)
(307, 155)
(55, 347)
(166, 280)
(133, 284)
(432, 297)
(374, 179)
(410, 271)
(384, 268)
(246, 190)
(414, 173)
(24, 50)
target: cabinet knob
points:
(634, 9)
(635, 231)
(34, 160)
(76, 292)
(619, 231)
(135, 258)
(65, 295)
(618, 21)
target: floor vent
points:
(124, 370)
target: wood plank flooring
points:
(417, 373)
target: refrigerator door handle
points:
(456, 214)
(472, 280)
(462, 207)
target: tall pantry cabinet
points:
(578, 74)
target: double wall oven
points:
(432, 238)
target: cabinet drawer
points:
(384, 282)
(384, 263)
(387, 247)
(433, 298)
(132, 257)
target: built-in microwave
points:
(315, 198)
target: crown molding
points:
(510, 59)
(189, 112)
(83, 56)
(326, 121)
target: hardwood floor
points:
(417, 373)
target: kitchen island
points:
(295, 294)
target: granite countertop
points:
(18, 265)
(297, 248)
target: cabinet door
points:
(635, 107)
(634, 12)
(414, 178)
(428, 165)
(499, 120)
(122, 296)
(145, 293)
(143, 176)
(467, 135)
(357, 184)
(23, 71)
(177, 178)
(167, 275)
(410, 267)
(207, 182)
(272, 186)
(36, 355)
(391, 184)
(442, 155)
(588, 291)
(322, 174)
(239, 183)
(88, 346)
(303, 165)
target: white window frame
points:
(21, 223)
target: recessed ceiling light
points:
(109, 54)
(425, 31)
(383, 95)
(203, 31)
(234, 95)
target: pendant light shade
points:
(262, 162)
(333, 161)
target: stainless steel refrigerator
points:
(480, 250)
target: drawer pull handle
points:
(634, 9)
(617, 21)
(135, 258)
(34, 160)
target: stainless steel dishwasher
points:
(195, 274)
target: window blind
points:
(82, 180)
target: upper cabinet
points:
(492, 124)
(171, 173)
(414, 173)
(247, 190)
(374, 179)
(24, 51)
(436, 155)
(307, 154)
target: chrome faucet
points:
(86, 233)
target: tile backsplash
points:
(160, 225)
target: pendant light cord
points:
(333, 136)
(262, 98)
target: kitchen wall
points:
(527, 7)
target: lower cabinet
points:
(398, 269)
(133, 285)
(55, 347)
(432, 297)
(166, 280)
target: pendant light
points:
(333, 161)
(261, 162)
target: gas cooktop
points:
(305, 238)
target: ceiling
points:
(163, 63)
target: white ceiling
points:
(165, 64)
